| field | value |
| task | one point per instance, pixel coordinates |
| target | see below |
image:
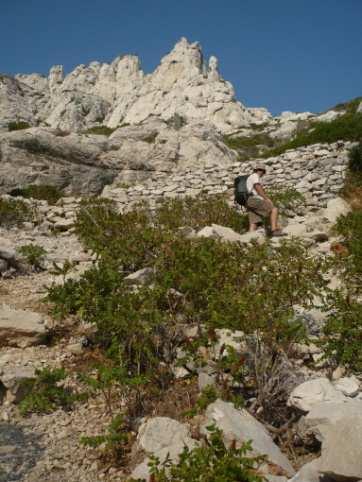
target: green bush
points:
(129, 239)
(100, 131)
(350, 106)
(287, 199)
(347, 127)
(355, 159)
(14, 212)
(33, 254)
(177, 121)
(17, 126)
(46, 395)
(343, 332)
(250, 145)
(350, 227)
(230, 286)
(113, 444)
(212, 462)
(45, 192)
(198, 212)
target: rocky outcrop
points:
(119, 92)
(20, 328)
(84, 164)
(162, 437)
(239, 426)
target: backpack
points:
(240, 191)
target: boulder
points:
(311, 392)
(40, 156)
(325, 414)
(162, 437)
(20, 328)
(341, 457)
(14, 379)
(336, 207)
(240, 426)
(225, 234)
(140, 277)
(349, 386)
(308, 473)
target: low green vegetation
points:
(114, 443)
(343, 331)
(45, 192)
(33, 253)
(347, 127)
(46, 393)
(250, 146)
(18, 125)
(350, 106)
(100, 131)
(14, 212)
(213, 461)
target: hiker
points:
(258, 204)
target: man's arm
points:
(260, 190)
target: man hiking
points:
(259, 205)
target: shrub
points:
(343, 332)
(45, 192)
(347, 127)
(18, 125)
(114, 443)
(46, 395)
(14, 212)
(250, 145)
(112, 381)
(177, 121)
(100, 131)
(230, 286)
(33, 254)
(211, 462)
(287, 199)
(128, 239)
(355, 159)
(198, 212)
(350, 227)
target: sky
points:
(299, 55)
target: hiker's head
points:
(260, 169)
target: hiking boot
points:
(277, 233)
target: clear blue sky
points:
(282, 54)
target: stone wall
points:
(316, 171)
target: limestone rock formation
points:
(119, 92)
(86, 163)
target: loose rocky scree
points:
(253, 368)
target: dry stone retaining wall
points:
(316, 171)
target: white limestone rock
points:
(161, 437)
(13, 378)
(20, 328)
(119, 92)
(311, 392)
(336, 207)
(326, 414)
(341, 457)
(349, 386)
(240, 426)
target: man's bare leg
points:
(252, 227)
(274, 219)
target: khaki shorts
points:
(258, 209)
